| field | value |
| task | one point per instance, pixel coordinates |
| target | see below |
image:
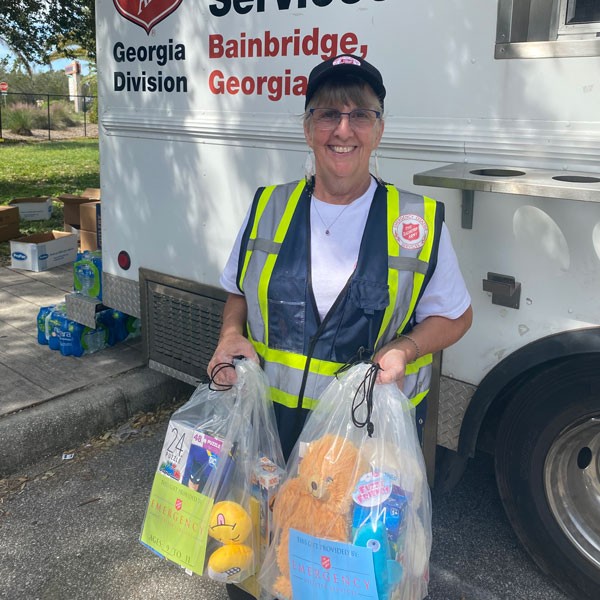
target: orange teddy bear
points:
(318, 500)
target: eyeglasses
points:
(327, 119)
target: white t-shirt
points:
(334, 258)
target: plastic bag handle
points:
(214, 372)
(366, 389)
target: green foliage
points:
(17, 30)
(50, 82)
(62, 116)
(90, 89)
(39, 88)
(17, 78)
(34, 29)
(20, 119)
(92, 113)
(74, 28)
(20, 82)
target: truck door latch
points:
(505, 290)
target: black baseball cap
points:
(345, 64)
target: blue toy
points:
(388, 572)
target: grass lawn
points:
(46, 169)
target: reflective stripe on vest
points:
(267, 233)
(407, 269)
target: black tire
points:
(449, 470)
(547, 460)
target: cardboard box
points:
(73, 230)
(71, 206)
(9, 223)
(90, 225)
(87, 240)
(38, 208)
(89, 215)
(93, 193)
(9, 215)
(9, 232)
(43, 251)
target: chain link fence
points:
(28, 116)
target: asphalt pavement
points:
(69, 530)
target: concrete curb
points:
(68, 420)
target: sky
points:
(57, 65)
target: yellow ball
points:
(229, 523)
(232, 563)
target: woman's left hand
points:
(429, 336)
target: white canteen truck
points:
(491, 107)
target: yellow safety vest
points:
(397, 257)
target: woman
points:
(340, 265)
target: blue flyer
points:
(325, 570)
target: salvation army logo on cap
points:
(410, 231)
(146, 13)
(340, 66)
(346, 60)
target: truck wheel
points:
(547, 468)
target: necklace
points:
(328, 227)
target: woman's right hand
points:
(230, 346)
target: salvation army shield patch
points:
(146, 13)
(410, 231)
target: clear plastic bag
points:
(353, 516)
(220, 464)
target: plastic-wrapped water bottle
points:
(116, 323)
(70, 338)
(134, 327)
(85, 275)
(120, 325)
(54, 321)
(93, 340)
(41, 324)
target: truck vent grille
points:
(182, 321)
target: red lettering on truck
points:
(267, 45)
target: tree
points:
(74, 28)
(26, 87)
(23, 37)
(34, 30)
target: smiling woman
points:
(340, 266)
